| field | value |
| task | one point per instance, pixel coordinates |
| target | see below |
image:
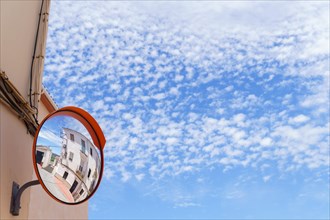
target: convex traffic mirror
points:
(68, 155)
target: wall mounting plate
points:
(14, 210)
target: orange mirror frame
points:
(92, 127)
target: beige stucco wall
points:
(18, 24)
(16, 160)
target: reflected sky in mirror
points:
(68, 162)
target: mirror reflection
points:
(68, 162)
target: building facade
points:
(18, 28)
(79, 164)
(43, 156)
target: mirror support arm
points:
(15, 203)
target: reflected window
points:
(71, 137)
(71, 156)
(80, 168)
(89, 173)
(65, 175)
(83, 146)
(91, 151)
(74, 185)
(81, 192)
(92, 185)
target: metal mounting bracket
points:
(16, 193)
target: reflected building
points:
(46, 159)
(43, 155)
(79, 164)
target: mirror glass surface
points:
(68, 162)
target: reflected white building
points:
(43, 156)
(79, 164)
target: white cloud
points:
(187, 204)
(159, 96)
(266, 141)
(50, 136)
(140, 176)
(237, 194)
(298, 119)
(126, 176)
(266, 178)
(179, 86)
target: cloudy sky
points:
(210, 109)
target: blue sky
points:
(50, 133)
(210, 109)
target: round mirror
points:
(67, 160)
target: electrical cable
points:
(31, 70)
(12, 99)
